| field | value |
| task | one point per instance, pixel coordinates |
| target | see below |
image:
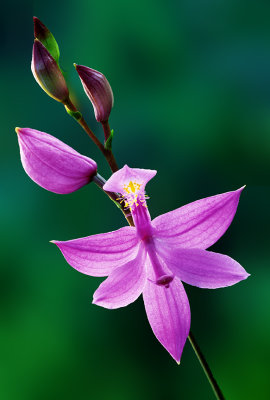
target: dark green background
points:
(191, 84)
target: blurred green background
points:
(191, 83)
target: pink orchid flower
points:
(153, 257)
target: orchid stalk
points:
(149, 257)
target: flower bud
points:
(52, 164)
(43, 34)
(47, 73)
(99, 91)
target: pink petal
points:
(202, 268)
(98, 255)
(199, 224)
(168, 313)
(122, 177)
(52, 164)
(124, 285)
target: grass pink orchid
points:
(153, 257)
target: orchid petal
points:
(98, 255)
(52, 164)
(168, 313)
(202, 268)
(124, 285)
(199, 224)
(122, 177)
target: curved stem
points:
(216, 389)
(106, 152)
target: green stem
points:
(216, 389)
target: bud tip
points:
(40, 30)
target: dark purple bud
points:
(98, 90)
(47, 73)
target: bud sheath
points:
(99, 91)
(52, 164)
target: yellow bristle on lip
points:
(132, 187)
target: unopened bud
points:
(52, 164)
(45, 36)
(47, 73)
(99, 91)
